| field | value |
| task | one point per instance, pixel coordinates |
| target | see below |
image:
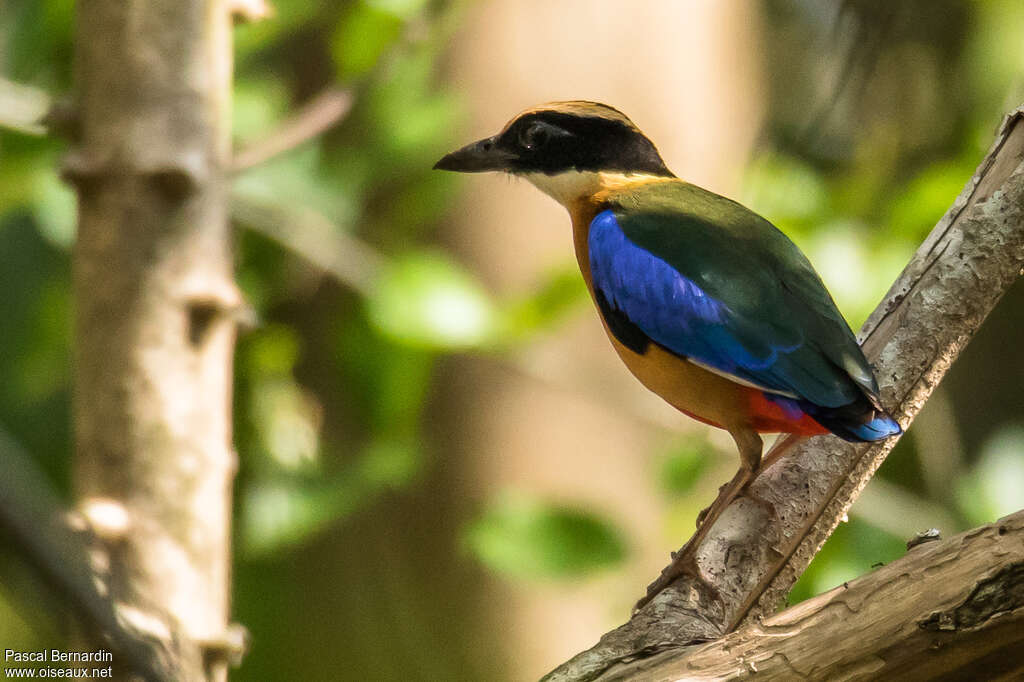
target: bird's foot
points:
(706, 511)
(684, 562)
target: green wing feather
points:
(776, 299)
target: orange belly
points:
(709, 397)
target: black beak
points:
(477, 157)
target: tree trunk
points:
(154, 319)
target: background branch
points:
(331, 106)
(945, 610)
(763, 542)
(323, 112)
(38, 528)
(311, 235)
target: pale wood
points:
(951, 609)
(154, 317)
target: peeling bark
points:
(951, 610)
(763, 542)
(154, 321)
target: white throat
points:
(569, 187)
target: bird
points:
(707, 303)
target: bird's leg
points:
(684, 561)
(751, 465)
(777, 450)
(780, 447)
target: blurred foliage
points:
(528, 538)
(426, 301)
(336, 388)
(992, 489)
(684, 465)
(853, 550)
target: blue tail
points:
(859, 422)
(882, 426)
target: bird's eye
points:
(535, 135)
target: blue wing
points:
(724, 316)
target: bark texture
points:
(950, 610)
(155, 303)
(763, 542)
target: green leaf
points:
(257, 106)
(287, 421)
(271, 350)
(854, 549)
(683, 466)
(400, 8)
(995, 487)
(282, 512)
(559, 293)
(42, 368)
(926, 198)
(288, 18)
(362, 37)
(783, 189)
(55, 209)
(426, 300)
(528, 538)
(392, 378)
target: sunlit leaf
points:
(431, 122)
(399, 8)
(783, 188)
(853, 550)
(281, 513)
(856, 272)
(559, 293)
(257, 106)
(287, 420)
(426, 300)
(413, 123)
(529, 539)
(55, 209)
(995, 487)
(926, 198)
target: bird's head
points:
(566, 149)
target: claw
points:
(684, 561)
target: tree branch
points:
(945, 610)
(39, 530)
(311, 235)
(763, 542)
(333, 104)
(323, 112)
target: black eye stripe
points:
(538, 133)
(554, 141)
